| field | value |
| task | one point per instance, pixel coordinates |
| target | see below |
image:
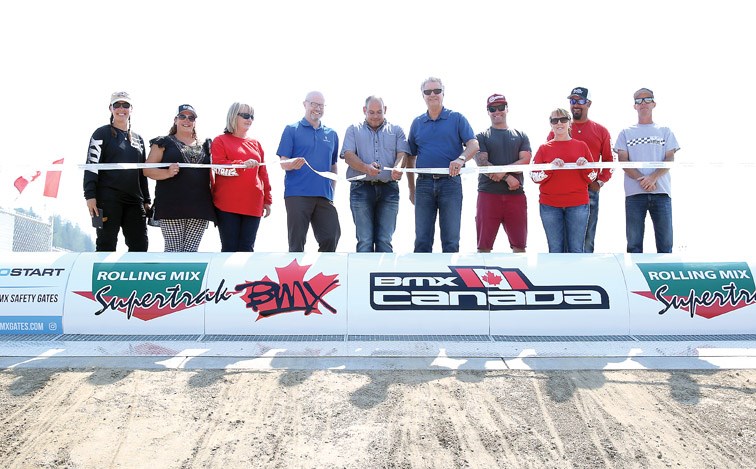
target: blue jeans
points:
(441, 196)
(374, 209)
(237, 232)
(590, 233)
(565, 227)
(659, 206)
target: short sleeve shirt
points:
(503, 147)
(320, 148)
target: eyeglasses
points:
(122, 104)
(434, 91)
(580, 101)
(644, 100)
(245, 115)
(316, 105)
(184, 116)
(500, 107)
(563, 120)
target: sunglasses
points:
(563, 120)
(122, 104)
(580, 101)
(434, 91)
(317, 105)
(245, 115)
(644, 100)
(500, 107)
(184, 116)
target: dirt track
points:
(180, 419)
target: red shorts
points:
(507, 210)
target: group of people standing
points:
(378, 154)
(187, 198)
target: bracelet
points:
(463, 158)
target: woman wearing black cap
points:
(117, 199)
(183, 201)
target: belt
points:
(373, 182)
(432, 176)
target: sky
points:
(62, 60)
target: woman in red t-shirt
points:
(241, 196)
(564, 193)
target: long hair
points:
(174, 129)
(112, 128)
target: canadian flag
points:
(22, 181)
(52, 181)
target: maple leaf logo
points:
(292, 293)
(491, 278)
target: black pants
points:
(127, 216)
(301, 212)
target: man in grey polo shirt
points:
(368, 147)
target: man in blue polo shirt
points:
(439, 138)
(308, 146)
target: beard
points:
(577, 114)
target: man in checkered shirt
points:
(647, 190)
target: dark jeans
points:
(374, 208)
(237, 232)
(301, 212)
(590, 233)
(129, 217)
(659, 206)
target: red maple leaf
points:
(291, 293)
(492, 278)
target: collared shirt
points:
(436, 143)
(372, 146)
(320, 148)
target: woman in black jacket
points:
(121, 196)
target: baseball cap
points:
(120, 96)
(495, 99)
(580, 92)
(187, 107)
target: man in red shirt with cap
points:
(600, 143)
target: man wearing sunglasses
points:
(440, 138)
(597, 138)
(305, 147)
(647, 190)
(501, 199)
(369, 147)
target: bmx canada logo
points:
(703, 289)
(146, 290)
(478, 288)
(290, 294)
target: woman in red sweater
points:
(241, 196)
(564, 193)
